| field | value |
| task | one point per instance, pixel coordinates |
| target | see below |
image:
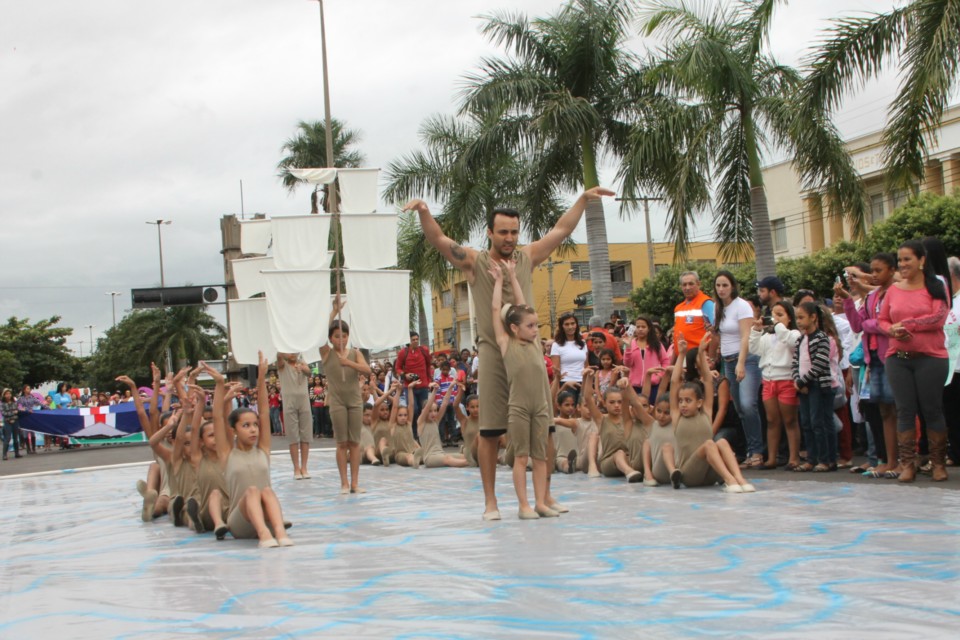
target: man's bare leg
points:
(487, 449)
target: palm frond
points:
(931, 58)
(733, 223)
(852, 52)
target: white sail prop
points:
(315, 176)
(247, 277)
(300, 242)
(358, 190)
(255, 237)
(379, 307)
(250, 330)
(298, 304)
(369, 241)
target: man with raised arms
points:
(503, 232)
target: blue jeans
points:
(420, 397)
(275, 424)
(745, 395)
(816, 421)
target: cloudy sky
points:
(114, 113)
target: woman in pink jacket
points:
(645, 352)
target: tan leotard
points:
(611, 441)
(430, 445)
(343, 396)
(244, 469)
(470, 431)
(691, 433)
(209, 477)
(493, 388)
(528, 412)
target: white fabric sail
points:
(247, 277)
(315, 176)
(300, 242)
(250, 330)
(255, 236)
(369, 241)
(298, 306)
(379, 308)
(358, 190)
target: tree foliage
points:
(307, 149)
(35, 353)
(925, 215)
(144, 336)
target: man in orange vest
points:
(693, 317)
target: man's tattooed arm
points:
(457, 252)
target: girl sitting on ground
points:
(254, 510)
(699, 461)
(615, 427)
(469, 417)
(405, 447)
(429, 427)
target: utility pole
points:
(113, 304)
(90, 327)
(551, 298)
(646, 214)
(158, 224)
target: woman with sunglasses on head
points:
(913, 314)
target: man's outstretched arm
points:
(460, 257)
(542, 248)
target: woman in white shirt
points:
(569, 353)
(734, 320)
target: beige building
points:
(799, 220)
(571, 287)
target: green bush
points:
(924, 215)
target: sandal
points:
(791, 466)
(803, 468)
(862, 468)
(753, 462)
(822, 468)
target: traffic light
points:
(157, 297)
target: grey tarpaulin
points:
(413, 559)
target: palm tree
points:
(925, 36)
(440, 172)
(189, 333)
(715, 100)
(308, 149)
(557, 98)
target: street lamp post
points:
(90, 328)
(113, 304)
(81, 348)
(158, 223)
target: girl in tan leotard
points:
(405, 447)
(469, 427)
(433, 454)
(699, 460)
(254, 510)
(616, 426)
(528, 412)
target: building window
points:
(583, 317)
(580, 271)
(446, 299)
(899, 199)
(448, 336)
(876, 209)
(779, 229)
(620, 272)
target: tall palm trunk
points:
(599, 249)
(759, 214)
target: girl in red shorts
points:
(775, 344)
